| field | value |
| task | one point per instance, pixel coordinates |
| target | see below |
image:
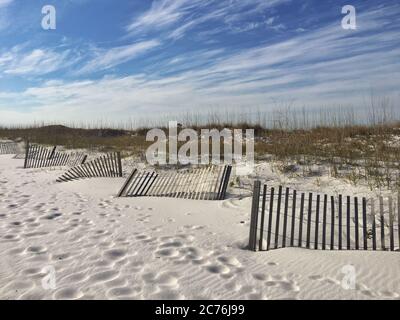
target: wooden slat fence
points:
(37, 156)
(208, 183)
(108, 165)
(281, 217)
(9, 148)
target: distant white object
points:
(243, 169)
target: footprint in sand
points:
(121, 293)
(281, 282)
(36, 249)
(103, 276)
(388, 294)
(170, 252)
(52, 216)
(230, 261)
(218, 269)
(68, 294)
(260, 276)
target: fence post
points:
(254, 216)
(26, 154)
(119, 164)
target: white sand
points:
(154, 248)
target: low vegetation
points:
(355, 152)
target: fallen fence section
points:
(9, 148)
(208, 183)
(108, 165)
(37, 156)
(281, 218)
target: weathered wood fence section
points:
(281, 217)
(37, 156)
(9, 148)
(108, 165)
(208, 183)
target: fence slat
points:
(348, 243)
(332, 223)
(324, 221)
(317, 222)
(264, 198)
(293, 218)
(285, 216)
(356, 232)
(278, 214)
(271, 212)
(391, 229)
(310, 196)
(150, 185)
(364, 218)
(373, 224)
(398, 219)
(340, 217)
(254, 216)
(301, 220)
(127, 183)
(382, 218)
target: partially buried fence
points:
(285, 218)
(208, 183)
(108, 165)
(37, 156)
(9, 148)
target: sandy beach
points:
(103, 247)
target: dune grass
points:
(355, 152)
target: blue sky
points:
(115, 60)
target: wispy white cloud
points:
(34, 62)
(109, 58)
(326, 65)
(4, 3)
(4, 18)
(162, 13)
(165, 14)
